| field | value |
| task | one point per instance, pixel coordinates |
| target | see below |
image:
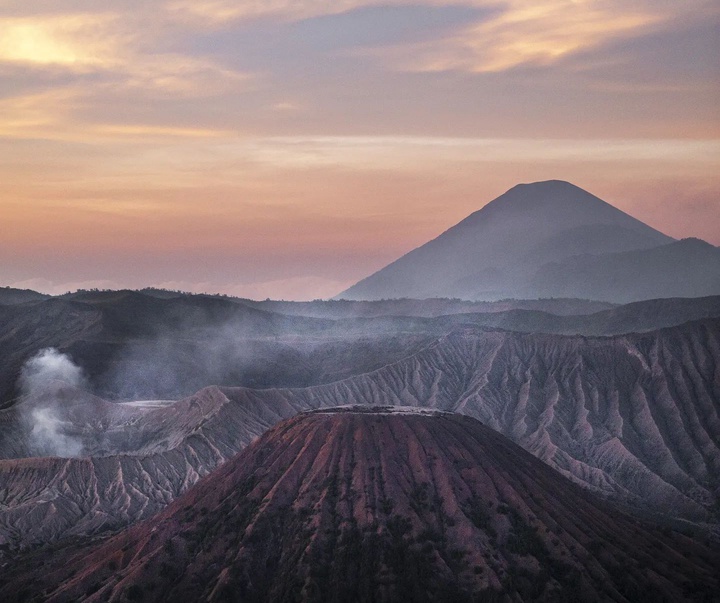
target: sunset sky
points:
(288, 148)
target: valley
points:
(526, 408)
(633, 418)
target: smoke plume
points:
(46, 366)
(48, 434)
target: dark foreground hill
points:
(378, 505)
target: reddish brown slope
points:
(357, 505)
(636, 416)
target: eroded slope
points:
(635, 418)
(352, 506)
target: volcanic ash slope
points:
(378, 505)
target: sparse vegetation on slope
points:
(302, 514)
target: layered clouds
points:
(284, 148)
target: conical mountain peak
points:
(496, 252)
(546, 189)
(551, 192)
(381, 506)
(556, 203)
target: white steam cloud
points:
(48, 435)
(46, 366)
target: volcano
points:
(378, 504)
(534, 241)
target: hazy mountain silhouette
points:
(10, 296)
(379, 504)
(687, 268)
(536, 240)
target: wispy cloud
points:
(298, 139)
(499, 36)
(375, 151)
(145, 132)
(59, 114)
(69, 66)
(537, 34)
(319, 67)
(222, 12)
(79, 41)
(41, 114)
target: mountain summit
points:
(498, 251)
(556, 200)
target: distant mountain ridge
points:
(686, 268)
(133, 345)
(10, 296)
(535, 241)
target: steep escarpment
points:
(157, 456)
(351, 505)
(634, 418)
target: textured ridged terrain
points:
(633, 417)
(132, 345)
(636, 416)
(374, 505)
(45, 499)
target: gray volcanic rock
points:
(635, 418)
(378, 506)
(493, 252)
(159, 452)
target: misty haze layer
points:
(154, 344)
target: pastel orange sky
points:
(287, 149)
